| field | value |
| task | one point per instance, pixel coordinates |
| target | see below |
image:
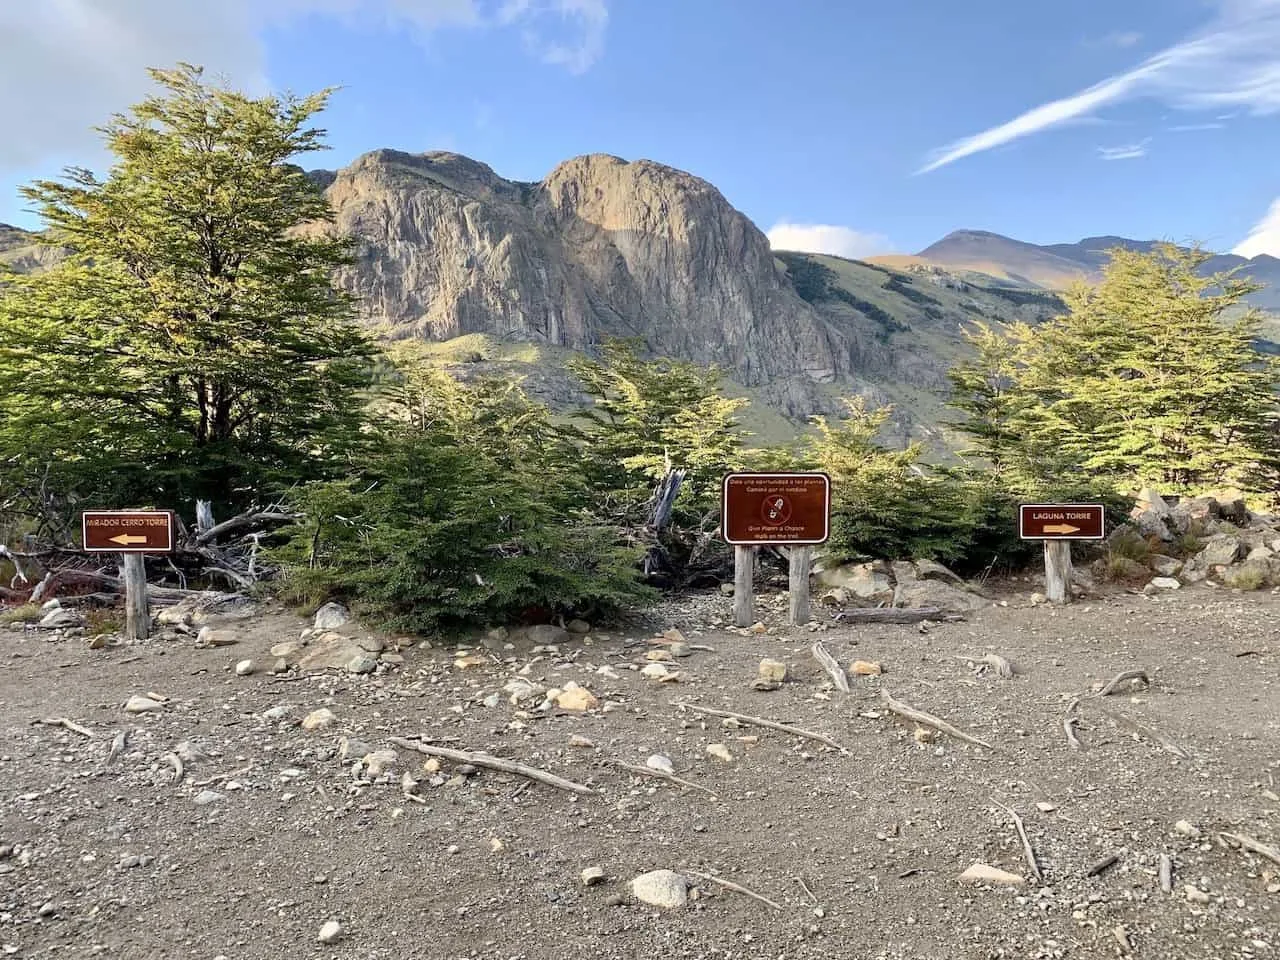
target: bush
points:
(470, 512)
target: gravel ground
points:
(860, 851)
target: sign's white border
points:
(1060, 506)
(826, 509)
(84, 530)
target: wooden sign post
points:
(1057, 524)
(789, 510)
(132, 534)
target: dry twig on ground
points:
(495, 763)
(1113, 685)
(761, 722)
(833, 669)
(929, 720)
(736, 888)
(660, 775)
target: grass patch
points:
(99, 620)
(26, 613)
(1248, 577)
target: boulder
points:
(332, 651)
(932, 570)
(1165, 566)
(1165, 583)
(935, 593)
(59, 618)
(903, 572)
(541, 634)
(866, 581)
(331, 616)
(1187, 514)
(1220, 550)
(1152, 516)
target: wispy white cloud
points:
(1122, 38)
(78, 61)
(1193, 127)
(1127, 151)
(1264, 237)
(826, 238)
(1233, 64)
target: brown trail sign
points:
(126, 531)
(131, 533)
(1061, 521)
(1057, 524)
(791, 510)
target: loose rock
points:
(661, 888)
(318, 719)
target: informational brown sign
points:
(125, 531)
(1061, 521)
(776, 509)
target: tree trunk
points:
(744, 559)
(799, 562)
(137, 609)
(1057, 570)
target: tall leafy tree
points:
(651, 414)
(1151, 378)
(192, 343)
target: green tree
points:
(467, 511)
(651, 414)
(884, 503)
(1151, 378)
(192, 344)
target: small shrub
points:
(1131, 545)
(26, 613)
(1247, 577)
(1188, 545)
(103, 620)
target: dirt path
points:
(861, 851)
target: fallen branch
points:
(496, 763)
(1069, 722)
(1003, 668)
(833, 669)
(660, 775)
(243, 520)
(1112, 685)
(929, 720)
(1254, 846)
(761, 722)
(67, 725)
(1026, 841)
(1165, 873)
(736, 888)
(1148, 732)
(894, 615)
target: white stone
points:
(661, 888)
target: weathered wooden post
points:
(1057, 570)
(136, 606)
(799, 560)
(1057, 524)
(787, 510)
(132, 535)
(744, 561)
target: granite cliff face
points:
(601, 247)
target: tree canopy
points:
(192, 343)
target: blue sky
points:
(853, 127)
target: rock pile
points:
(900, 583)
(1206, 539)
